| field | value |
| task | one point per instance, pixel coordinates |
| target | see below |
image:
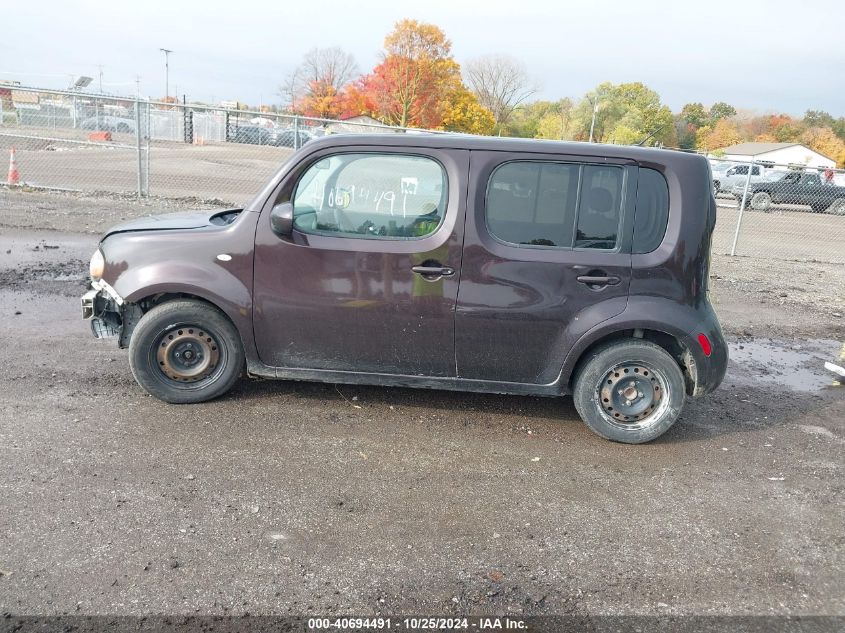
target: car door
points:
(368, 279)
(815, 193)
(547, 243)
(787, 189)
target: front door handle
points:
(598, 280)
(433, 270)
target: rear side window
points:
(652, 214)
(375, 196)
(562, 205)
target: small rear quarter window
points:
(652, 213)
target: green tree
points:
(627, 113)
(695, 115)
(818, 118)
(525, 119)
(556, 123)
(692, 117)
(721, 110)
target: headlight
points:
(97, 265)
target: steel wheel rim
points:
(633, 395)
(187, 356)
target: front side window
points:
(373, 196)
(563, 205)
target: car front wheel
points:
(629, 391)
(185, 351)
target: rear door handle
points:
(591, 280)
(433, 271)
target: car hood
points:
(177, 221)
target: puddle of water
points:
(797, 365)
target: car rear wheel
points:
(838, 207)
(761, 201)
(185, 351)
(629, 391)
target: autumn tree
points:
(784, 129)
(824, 141)
(418, 83)
(500, 83)
(464, 113)
(409, 86)
(315, 86)
(723, 133)
(691, 117)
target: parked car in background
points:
(793, 187)
(717, 170)
(109, 124)
(738, 174)
(442, 262)
(288, 137)
(254, 135)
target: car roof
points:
(492, 143)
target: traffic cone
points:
(14, 175)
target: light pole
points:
(166, 52)
(595, 111)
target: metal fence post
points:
(742, 207)
(295, 132)
(147, 157)
(138, 144)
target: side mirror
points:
(281, 219)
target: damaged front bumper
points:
(103, 307)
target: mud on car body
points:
(445, 262)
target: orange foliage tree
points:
(825, 141)
(418, 83)
(723, 133)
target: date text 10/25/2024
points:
(417, 624)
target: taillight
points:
(705, 344)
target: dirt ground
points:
(295, 498)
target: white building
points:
(778, 153)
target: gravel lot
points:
(293, 498)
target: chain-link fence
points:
(784, 211)
(77, 141)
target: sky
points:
(766, 56)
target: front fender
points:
(146, 264)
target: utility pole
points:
(138, 84)
(166, 52)
(100, 67)
(595, 110)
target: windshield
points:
(775, 175)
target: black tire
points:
(181, 328)
(761, 201)
(837, 207)
(599, 382)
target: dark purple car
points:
(446, 262)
